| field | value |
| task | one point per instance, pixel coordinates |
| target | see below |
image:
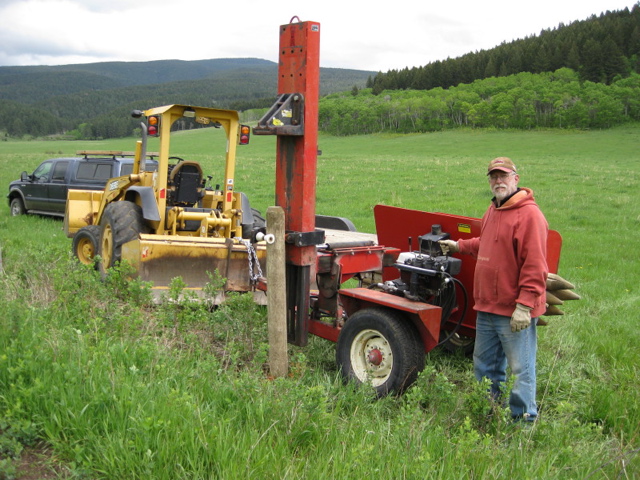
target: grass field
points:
(106, 386)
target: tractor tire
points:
(85, 244)
(258, 223)
(17, 207)
(458, 343)
(380, 348)
(121, 222)
(258, 220)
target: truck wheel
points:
(380, 348)
(121, 222)
(85, 243)
(17, 207)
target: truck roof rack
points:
(112, 153)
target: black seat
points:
(186, 179)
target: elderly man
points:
(509, 287)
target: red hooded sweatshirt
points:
(511, 254)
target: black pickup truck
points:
(44, 191)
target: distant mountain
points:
(32, 84)
(42, 100)
(125, 74)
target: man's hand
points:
(521, 318)
(448, 246)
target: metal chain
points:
(252, 257)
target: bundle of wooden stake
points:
(559, 291)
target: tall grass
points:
(119, 388)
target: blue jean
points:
(495, 347)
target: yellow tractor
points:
(169, 223)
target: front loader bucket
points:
(159, 259)
(82, 206)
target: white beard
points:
(500, 191)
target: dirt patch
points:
(38, 463)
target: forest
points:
(581, 75)
(600, 48)
(95, 100)
(523, 101)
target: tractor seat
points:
(186, 182)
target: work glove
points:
(448, 246)
(521, 318)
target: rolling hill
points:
(41, 100)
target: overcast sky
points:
(373, 35)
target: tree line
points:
(601, 49)
(557, 99)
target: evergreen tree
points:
(613, 62)
(592, 61)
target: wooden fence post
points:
(276, 293)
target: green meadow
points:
(97, 382)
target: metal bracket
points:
(285, 117)
(305, 239)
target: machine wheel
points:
(458, 343)
(380, 348)
(258, 219)
(121, 222)
(85, 243)
(17, 207)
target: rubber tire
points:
(458, 343)
(394, 336)
(17, 207)
(258, 220)
(258, 223)
(121, 222)
(86, 243)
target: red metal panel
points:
(424, 316)
(394, 227)
(359, 259)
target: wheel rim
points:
(85, 251)
(15, 209)
(107, 246)
(371, 357)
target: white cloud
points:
(354, 34)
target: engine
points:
(426, 275)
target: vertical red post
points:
(299, 73)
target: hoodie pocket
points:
(485, 283)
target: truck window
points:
(42, 173)
(59, 171)
(126, 169)
(94, 171)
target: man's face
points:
(503, 184)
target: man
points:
(509, 286)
